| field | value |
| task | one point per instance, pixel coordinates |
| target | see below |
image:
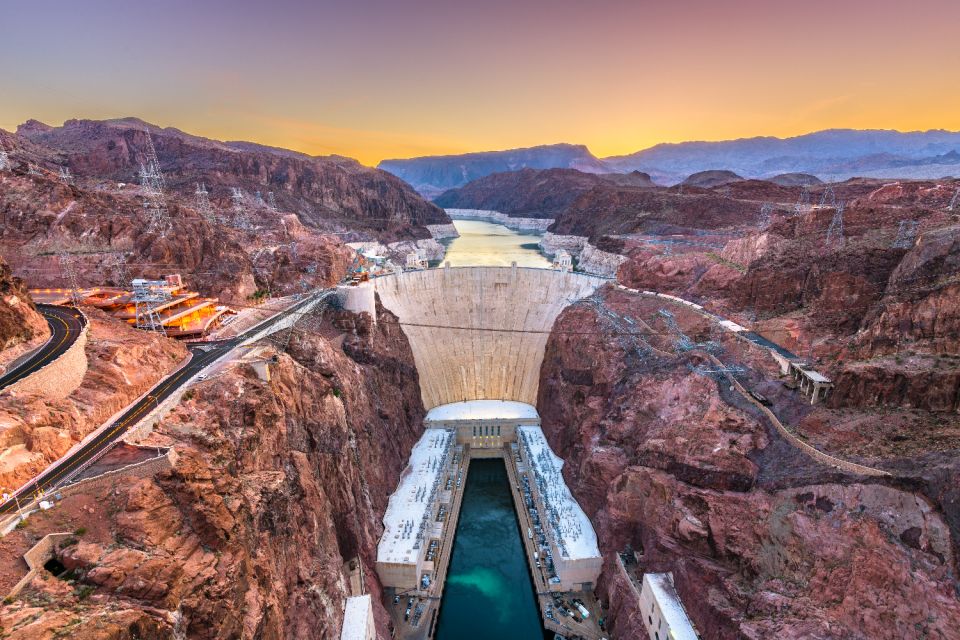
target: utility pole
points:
(906, 234)
(835, 230)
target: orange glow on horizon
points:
(375, 80)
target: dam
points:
(478, 336)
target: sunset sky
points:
(380, 79)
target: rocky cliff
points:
(762, 540)
(122, 363)
(102, 228)
(330, 193)
(21, 327)
(278, 485)
(528, 193)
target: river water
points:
(489, 592)
(488, 244)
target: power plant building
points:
(411, 520)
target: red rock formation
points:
(21, 327)
(329, 193)
(122, 363)
(762, 540)
(39, 214)
(277, 485)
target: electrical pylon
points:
(906, 234)
(835, 230)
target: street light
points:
(7, 496)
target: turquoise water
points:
(488, 244)
(489, 593)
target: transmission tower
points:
(906, 234)
(119, 265)
(803, 201)
(681, 342)
(258, 198)
(152, 185)
(828, 199)
(271, 201)
(5, 160)
(203, 204)
(148, 295)
(765, 212)
(835, 230)
(239, 209)
(65, 176)
(955, 200)
(32, 169)
(718, 372)
(68, 271)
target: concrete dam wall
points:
(468, 327)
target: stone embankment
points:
(589, 258)
(442, 231)
(510, 222)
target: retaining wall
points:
(61, 377)
(510, 222)
(36, 557)
(145, 469)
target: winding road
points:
(66, 325)
(204, 355)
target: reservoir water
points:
(488, 244)
(489, 593)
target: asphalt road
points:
(66, 323)
(204, 355)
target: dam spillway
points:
(479, 333)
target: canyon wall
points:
(763, 541)
(478, 333)
(22, 328)
(276, 486)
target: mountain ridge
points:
(829, 154)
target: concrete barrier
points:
(36, 557)
(144, 469)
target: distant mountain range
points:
(831, 155)
(432, 175)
